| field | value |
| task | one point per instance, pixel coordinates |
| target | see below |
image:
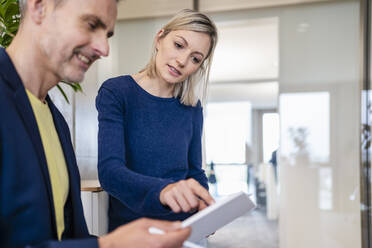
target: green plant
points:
(9, 23)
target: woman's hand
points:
(186, 196)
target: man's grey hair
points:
(23, 5)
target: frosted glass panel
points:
(305, 126)
(320, 126)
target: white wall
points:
(132, 44)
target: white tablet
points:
(217, 215)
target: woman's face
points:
(180, 54)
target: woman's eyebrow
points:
(188, 44)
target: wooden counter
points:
(95, 205)
(91, 186)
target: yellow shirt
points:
(55, 159)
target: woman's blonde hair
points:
(189, 91)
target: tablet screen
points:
(217, 215)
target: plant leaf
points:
(12, 11)
(63, 93)
(75, 86)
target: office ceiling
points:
(132, 9)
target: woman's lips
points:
(173, 71)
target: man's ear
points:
(37, 9)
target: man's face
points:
(74, 35)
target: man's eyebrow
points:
(188, 44)
(98, 22)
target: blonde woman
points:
(150, 127)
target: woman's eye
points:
(195, 60)
(92, 25)
(178, 45)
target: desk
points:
(95, 205)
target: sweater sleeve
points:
(138, 192)
(195, 149)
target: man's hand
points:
(186, 196)
(136, 234)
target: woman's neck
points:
(155, 86)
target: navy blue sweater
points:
(144, 143)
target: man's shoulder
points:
(9, 77)
(5, 90)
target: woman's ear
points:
(158, 36)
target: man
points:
(40, 203)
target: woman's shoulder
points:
(118, 83)
(197, 108)
(195, 112)
(118, 88)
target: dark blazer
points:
(27, 215)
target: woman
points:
(150, 127)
